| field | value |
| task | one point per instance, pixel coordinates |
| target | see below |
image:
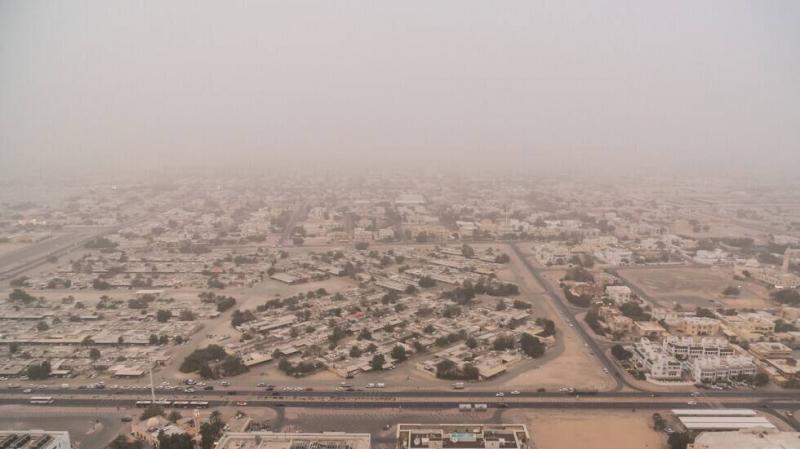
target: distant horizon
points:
(683, 88)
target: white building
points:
(714, 369)
(690, 348)
(615, 256)
(697, 326)
(620, 294)
(34, 439)
(651, 358)
(758, 438)
(274, 440)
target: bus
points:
(42, 400)
(142, 403)
(199, 404)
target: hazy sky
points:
(638, 85)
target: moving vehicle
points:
(42, 400)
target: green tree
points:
(783, 326)
(202, 357)
(503, 342)
(467, 251)
(163, 316)
(19, 295)
(531, 345)
(427, 282)
(232, 365)
(502, 258)
(620, 353)
(548, 325)
(679, 440)
(377, 362)
(122, 442)
(731, 291)
(704, 313)
(38, 371)
(151, 411)
(399, 353)
(470, 372)
(94, 353)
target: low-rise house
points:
(770, 350)
(620, 294)
(698, 326)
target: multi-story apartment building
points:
(689, 348)
(699, 326)
(714, 369)
(651, 358)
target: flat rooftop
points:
(714, 412)
(274, 440)
(748, 439)
(463, 436)
(34, 439)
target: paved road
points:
(249, 392)
(618, 375)
(17, 262)
(754, 403)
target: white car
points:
(691, 403)
(500, 394)
(515, 392)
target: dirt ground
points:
(695, 287)
(573, 366)
(591, 430)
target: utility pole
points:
(152, 387)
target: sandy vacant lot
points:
(695, 286)
(593, 430)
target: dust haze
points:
(614, 87)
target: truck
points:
(464, 407)
(481, 406)
(458, 386)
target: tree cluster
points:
(447, 369)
